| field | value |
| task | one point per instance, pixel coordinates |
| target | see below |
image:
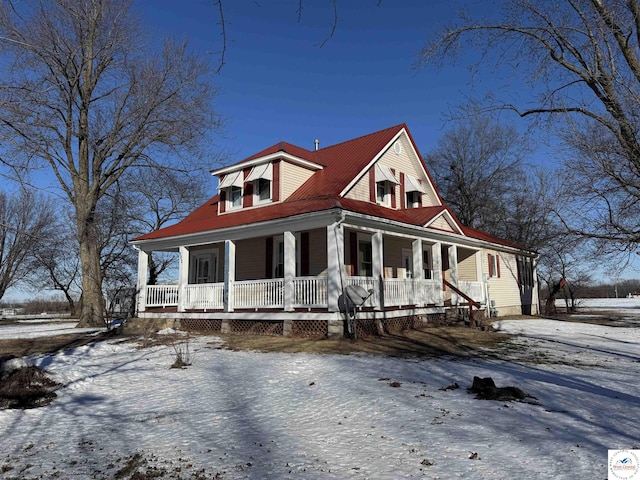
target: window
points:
(263, 189)
(278, 258)
(385, 183)
(261, 176)
(494, 266)
(204, 267)
(382, 193)
(414, 190)
(407, 262)
(235, 197)
(413, 199)
(427, 264)
(365, 258)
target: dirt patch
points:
(425, 341)
(608, 318)
(27, 387)
(21, 347)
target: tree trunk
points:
(92, 308)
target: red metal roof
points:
(342, 163)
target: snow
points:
(250, 415)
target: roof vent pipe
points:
(317, 143)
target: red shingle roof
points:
(342, 163)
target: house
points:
(291, 228)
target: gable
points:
(442, 223)
(400, 156)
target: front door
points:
(204, 267)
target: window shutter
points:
(393, 191)
(268, 260)
(403, 195)
(353, 248)
(498, 265)
(304, 254)
(222, 202)
(490, 266)
(275, 195)
(372, 185)
(247, 200)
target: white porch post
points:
(143, 274)
(436, 269)
(480, 276)
(183, 277)
(335, 265)
(377, 260)
(229, 274)
(535, 295)
(453, 267)
(418, 272)
(289, 269)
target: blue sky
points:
(278, 84)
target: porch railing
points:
(399, 291)
(162, 295)
(472, 289)
(367, 283)
(205, 296)
(430, 292)
(310, 292)
(267, 293)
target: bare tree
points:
(57, 264)
(156, 199)
(580, 61)
(480, 168)
(24, 223)
(83, 94)
(473, 165)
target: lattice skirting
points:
(201, 324)
(366, 327)
(256, 327)
(309, 328)
(401, 324)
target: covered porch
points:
(306, 271)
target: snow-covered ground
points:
(237, 415)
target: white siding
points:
(441, 223)
(291, 178)
(467, 269)
(360, 191)
(504, 291)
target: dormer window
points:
(383, 193)
(261, 176)
(385, 185)
(235, 197)
(232, 183)
(413, 191)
